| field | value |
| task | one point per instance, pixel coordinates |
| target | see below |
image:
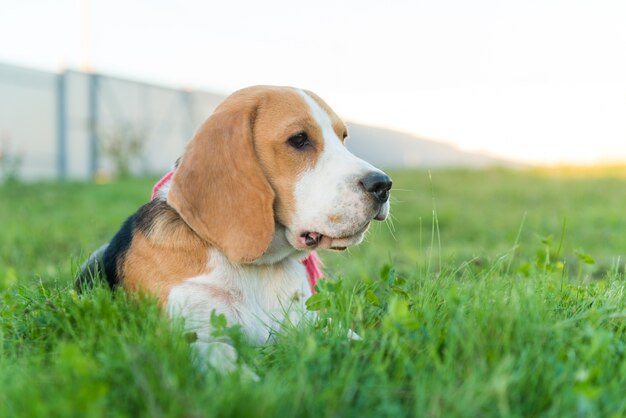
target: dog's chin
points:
(306, 240)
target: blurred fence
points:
(73, 125)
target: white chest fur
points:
(258, 297)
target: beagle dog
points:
(265, 180)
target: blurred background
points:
(94, 88)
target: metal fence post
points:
(93, 124)
(61, 127)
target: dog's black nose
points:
(378, 184)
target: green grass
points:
(494, 293)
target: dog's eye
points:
(299, 140)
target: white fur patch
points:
(258, 297)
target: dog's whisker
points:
(391, 229)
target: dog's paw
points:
(223, 358)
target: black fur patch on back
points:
(116, 251)
(108, 264)
(148, 213)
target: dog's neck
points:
(279, 249)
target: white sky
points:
(534, 80)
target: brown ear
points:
(219, 188)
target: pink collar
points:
(312, 263)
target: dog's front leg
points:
(194, 303)
(222, 357)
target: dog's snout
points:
(378, 184)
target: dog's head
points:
(275, 156)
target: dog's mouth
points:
(313, 239)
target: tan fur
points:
(157, 262)
(335, 218)
(170, 231)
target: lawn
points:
(490, 293)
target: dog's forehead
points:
(323, 106)
(320, 108)
(287, 103)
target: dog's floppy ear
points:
(219, 188)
